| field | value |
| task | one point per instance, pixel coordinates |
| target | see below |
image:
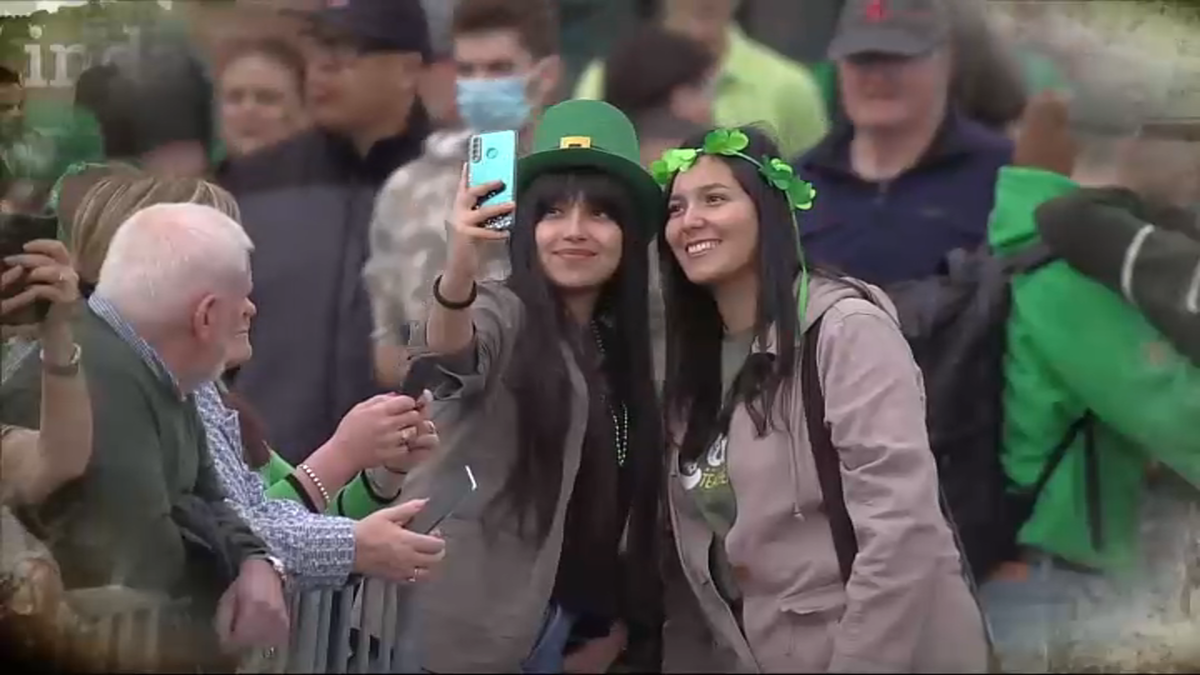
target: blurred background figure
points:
(306, 203)
(507, 57)
(909, 176)
(657, 72)
(438, 86)
(989, 80)
(39, 139)
(260, 94)
(754, 83)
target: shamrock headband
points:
(778, 174)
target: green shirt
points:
(707, 480)
(756, 85)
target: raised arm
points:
(37, 463)
(450, 329)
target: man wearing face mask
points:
(506, 53)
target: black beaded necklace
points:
(619, 413)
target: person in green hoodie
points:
(1080, 358)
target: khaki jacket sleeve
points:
(875, 405)
(496, 314)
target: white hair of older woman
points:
(166, 258)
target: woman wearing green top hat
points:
(554, 561)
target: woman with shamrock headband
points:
(552, 404)
(867, 579)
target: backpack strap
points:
(825, 455)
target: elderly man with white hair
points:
(148, 513)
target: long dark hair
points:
(538, 374)
(692, 389)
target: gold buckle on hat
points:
(574, 142)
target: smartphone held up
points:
(493, 157)
(17, 230)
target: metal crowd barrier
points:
(120, 629)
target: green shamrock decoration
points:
(675, 160)
(733, 143)
(780, 174)
(777, 172)
(725, 142)
(801, 194)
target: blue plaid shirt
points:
(316, 549)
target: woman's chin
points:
(702, 273)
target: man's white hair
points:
(165, 258)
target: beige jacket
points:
(484, 606)
(907, 607)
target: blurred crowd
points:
(884, 362)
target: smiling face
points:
(579, 245)
(712, 224)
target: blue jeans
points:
(1062, 619)
(547, 653)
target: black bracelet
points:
(373, 494)
(450, 304)
(301, 492)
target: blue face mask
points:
(493, 104)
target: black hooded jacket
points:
(307, 205)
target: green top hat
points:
(588, 134)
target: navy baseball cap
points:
(379, 25)
(905, 28)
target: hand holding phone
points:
(493, 162)
(467, 233)
(30, 254)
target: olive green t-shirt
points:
(707, 480)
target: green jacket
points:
(1075, 346)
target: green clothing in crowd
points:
(56, 135)
(355, 500)
(755, 85)
(1076, 347)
